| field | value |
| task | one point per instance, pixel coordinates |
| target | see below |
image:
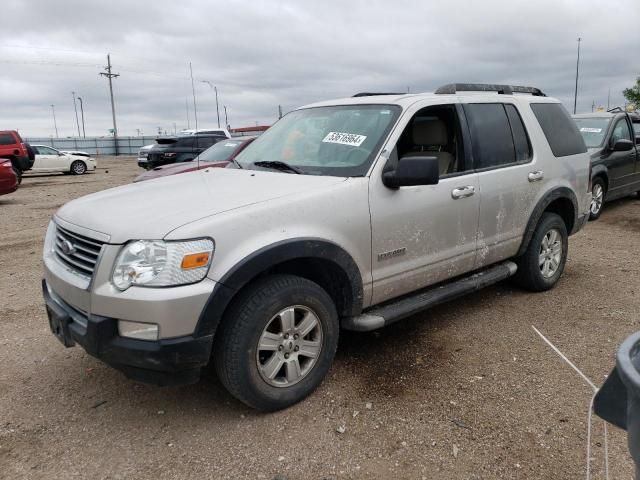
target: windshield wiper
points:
(278, 165)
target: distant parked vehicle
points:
(48, 159)
(13, 148)
(203, 131)
(8, 178)
(142, 155)
(615, 160)
(217, 156)
(180, 149)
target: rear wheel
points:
(277, 342)
(598, 191)
(542, 264)
(78, 167)
(18, 173)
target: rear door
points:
(507, 174)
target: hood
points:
(152, 209)
(175, 168)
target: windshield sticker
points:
(345, 138)
(230, 144)
(590, 130)
(385, 112)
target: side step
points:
(390, 312)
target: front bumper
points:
(173, 361)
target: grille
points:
(83, 254)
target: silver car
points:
(346, 214)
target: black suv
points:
(178, 149)
(615, 156)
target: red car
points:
(21, 154)
(8, 179)
(216, 156)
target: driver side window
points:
(621, 131)
(433, 132)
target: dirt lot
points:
(466, 390)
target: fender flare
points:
(539, 209)
(601, 170)
(269, 256)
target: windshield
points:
(220, 152)
(337, 140)
(593, 130)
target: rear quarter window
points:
(6, 139)
(559, 129)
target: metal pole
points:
(109, 76)
(575, 95)
(608, 98)
(186, 102)
(217, 109)
(84, 135)
(226, 120)
(75, 107)
(279, 111)
(55, 125)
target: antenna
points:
(195, 114)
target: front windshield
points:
(220, 152)
(593, 130)
(336, 140)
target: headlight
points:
(156, 263)
(49, 239)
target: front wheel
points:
(276, 342)
(597, 198)
(78, 167)
(542, 264)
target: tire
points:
(78, 167)
(532, 274)
(18, 173)
(259, 315)
(598, 192)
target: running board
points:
(390, 312)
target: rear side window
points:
(560, 130)
(520, 138)
(491, 136)
(6, 139)
(185, 142)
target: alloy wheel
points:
(597, 197)
(550, 254)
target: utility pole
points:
(608, 98)
(55, 125)
(226, 119)
(575, 94)
(75, 107)
(593, 105)
(109, 76)
(84, 134)
(279, 111)
(186, 103)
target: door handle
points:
(536, 176)
(463, 192)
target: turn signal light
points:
(195, 260)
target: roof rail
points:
(452, 88)
(373, 94)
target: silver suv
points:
(351, 213)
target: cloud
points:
(264, 54)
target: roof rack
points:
(373, 94)
(452, 88)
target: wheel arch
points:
(318, 260)
(603, 172)
(561, 201)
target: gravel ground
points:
(466, 390)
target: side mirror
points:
(622, 145)
(413, 171)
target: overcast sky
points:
(263, 54)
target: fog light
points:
(139, 330)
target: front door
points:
(621, 165)
(422, 235)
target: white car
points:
(48, 159)
(216, 131)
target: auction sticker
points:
(590, 130)
(345, 138)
